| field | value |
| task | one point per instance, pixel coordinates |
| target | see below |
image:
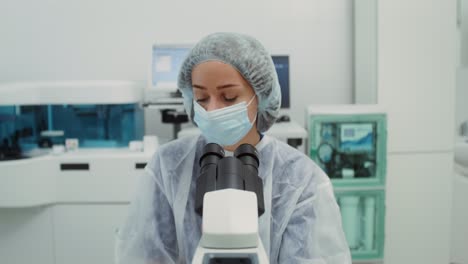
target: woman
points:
(231, 92)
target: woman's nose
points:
(213, 105)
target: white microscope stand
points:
(230, 228)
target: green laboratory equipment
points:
(349, 143)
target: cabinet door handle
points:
(74, 166)
(141, 165)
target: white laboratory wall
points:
(365, 51)
(416, 72)
(463, 30)
(76, 40)
(416, 80)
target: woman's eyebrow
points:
(229, 85)
(224, 86)
(198, 86)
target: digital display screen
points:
(166, 64)
(282, 69)
(167, 60)
(357, 137)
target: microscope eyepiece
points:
(248, 155)
(212, 153)
(239, 172)
(213, 148)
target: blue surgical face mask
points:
(225, 126)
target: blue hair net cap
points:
(250, 58)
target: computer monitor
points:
(167, 60)
(165, 66)
(282, 69)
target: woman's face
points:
(217, 85)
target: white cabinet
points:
(55, 212)
(417, 228)
(85, 233)
(26, 236)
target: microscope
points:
(229, 198)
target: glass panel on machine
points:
(347, 150)
(30, 127)
(363, 218)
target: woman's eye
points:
(232, 99)
(201, 100)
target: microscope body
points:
(229, 197)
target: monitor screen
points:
(282, 69)
(167, 60)
(356, 137)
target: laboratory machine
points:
(285, 129)
(166, 60)
(161, 93)
(70, 155)
(349, 143)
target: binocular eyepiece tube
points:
(218, 172)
